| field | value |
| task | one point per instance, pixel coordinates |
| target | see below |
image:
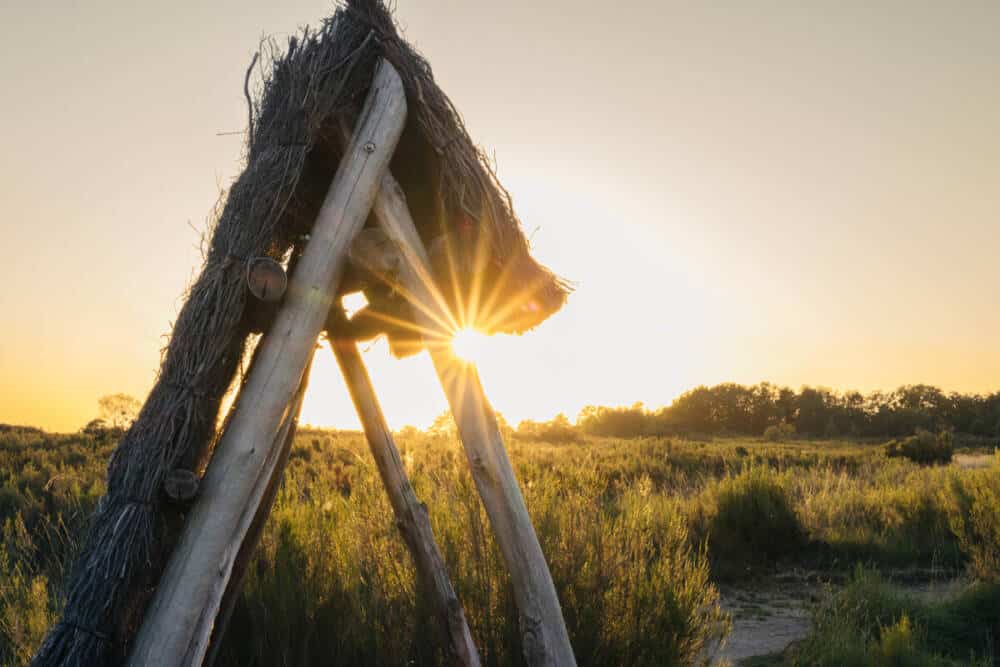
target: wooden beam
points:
(543, 629)
(411, 514)
(286, 437)
(178, 623)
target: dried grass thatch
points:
(319, 81)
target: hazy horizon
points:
(749, 192)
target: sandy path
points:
(767, 619)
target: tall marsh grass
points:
(635, 532)
(332, 577)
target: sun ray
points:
(442, 314)
(479, 260)
(518, 300)
(438, 310)
(449, 250)
(490, 320)
(409, 325)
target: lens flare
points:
(470, 345)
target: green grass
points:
(635, 533)
(870, 622)
(634, 588)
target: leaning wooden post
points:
(286, 436)
(411, 514)
(543, 629)
(178, 623)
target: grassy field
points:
(639, 535)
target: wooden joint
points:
(181, 486)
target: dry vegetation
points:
(635, 530)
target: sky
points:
(798, 192)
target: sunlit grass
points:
(634, 531)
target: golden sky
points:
(742, 191)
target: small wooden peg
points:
(267, 279)
(181, 485)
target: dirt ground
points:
(974, 460)
(770, 615)
(766, 618)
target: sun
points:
(470, 344)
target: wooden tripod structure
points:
(184, 622)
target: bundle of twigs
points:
(292, 151)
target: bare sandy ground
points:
(973, 460)
(766, 619)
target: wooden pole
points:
(286, 436)
(178, 623)
(543, 629)
(411, 514)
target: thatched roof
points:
(464, 215)
(318, 81)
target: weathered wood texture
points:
(543, 628)
(286, 436)
(374, 253)
(179, 620)
(411, 514)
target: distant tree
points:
(118, 411)
(779, 432)
(444, 426)
(621, 422)
(813, 411)
(787, 405)
(96, 427)
(693, 411)
(408, 432)
(758, 410)
(764, 409)
(924, 447)
(506, 430)
(558, 430)
(855, 418)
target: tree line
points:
(727, 409)
(812, 412)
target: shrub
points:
(871, 623)
(779, 432)
(621, 422)
(559, 430)
(25, 614)
(924, 447)
(753, 523)
(974, 516)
